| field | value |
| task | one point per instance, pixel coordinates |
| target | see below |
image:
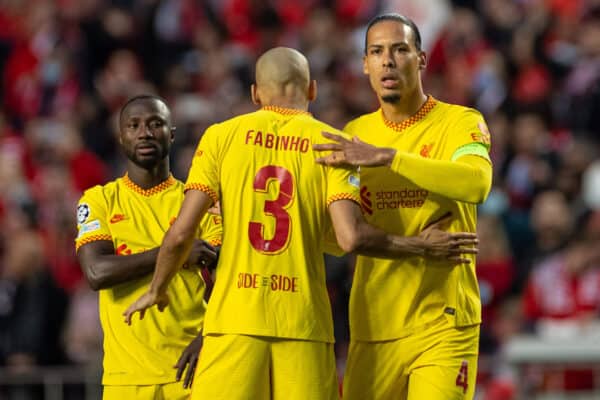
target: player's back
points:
(270, 278)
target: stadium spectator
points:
(562, 298)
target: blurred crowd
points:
(532, 67)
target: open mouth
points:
(389, 82)
(146, 150)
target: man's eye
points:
(156, 124)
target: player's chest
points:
(422, 142)
(137, 226)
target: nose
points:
(388, 58)
(145, 132)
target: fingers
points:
(189, 376)
(127, 314)
(180, 368)
(333, 136)
(465, 250)
(334, 159)
(181, 364)
(327, 147)
(465, 235)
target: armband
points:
(471, 149)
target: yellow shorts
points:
(167, 391)
(236, 367)
(434, 364)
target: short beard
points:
(391, 98)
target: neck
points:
(405, 108)
(148, 178)
(285, 98)
(283, 103)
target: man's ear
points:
(422, 60)
(173, 129)
(365, 66)
(312, 90)
(254, 94)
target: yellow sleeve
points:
(468, 178)
(212, 229)
(204, 172)
(342, 182)
(469, 128)
(92, 223)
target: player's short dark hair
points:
(140, 97)
(398, 18)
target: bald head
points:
(282, 75)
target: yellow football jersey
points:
(274, 198)
(136, 220)
(391, 298)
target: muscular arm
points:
(178, 241)
(104, 269)
(174, 250)
(467, 179)
(355, 234)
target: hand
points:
(189, 356)
(202, 254)
(353, 152)
(146, 301)
(449, 246)
(215, 209)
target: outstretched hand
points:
(146, 301)
(448, 246)
(353, 152)
(189, 358)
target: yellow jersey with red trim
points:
(392, 298)
(274, 198)
(135, 220)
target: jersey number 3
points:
(275, 208)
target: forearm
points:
(468, 179)
(110, 270)
(354, 234)
(375, 242)
(172, 255)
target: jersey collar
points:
(285, 111)
(170, 181)
(423, 111)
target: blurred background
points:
(532, 67)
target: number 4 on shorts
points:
(463, 375)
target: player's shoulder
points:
(220, 130)
(320, 126)
(101, 191)
(362, 121)
(455, 111)
(242, 119)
